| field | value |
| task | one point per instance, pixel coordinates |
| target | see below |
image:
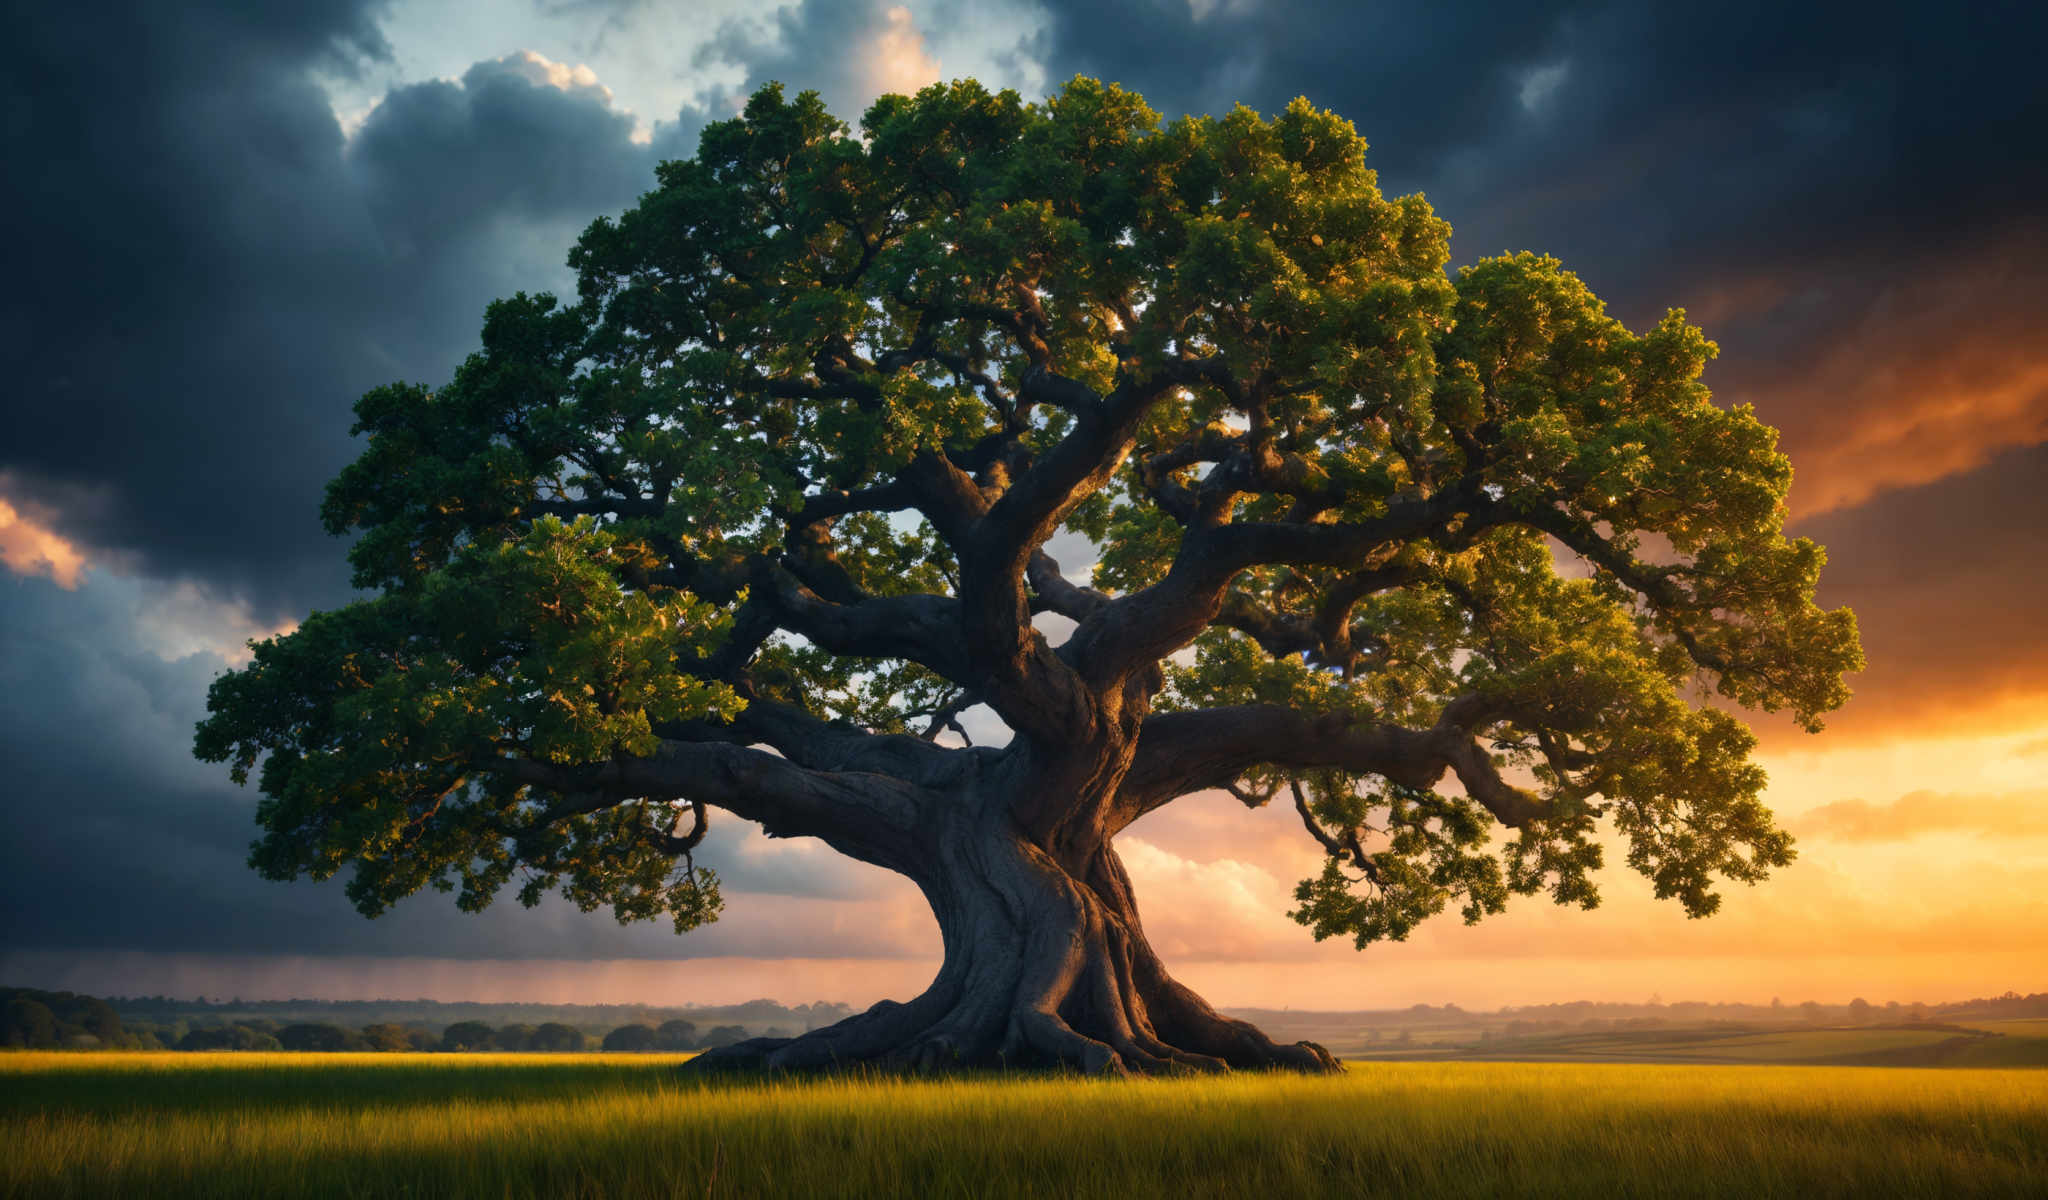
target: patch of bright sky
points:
(653, 57)
(1881, 772)
(1540, 83)
(1202, 10)
(646, 54)
(987, 42)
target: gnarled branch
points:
(1184, 752)
(868, 816)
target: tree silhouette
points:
(633, 1039)
(753, 524)
(468, 1035)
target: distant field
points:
(2016, 1027)
(588, 1125)
(2022, 1043)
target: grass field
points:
(2019, 1043)
(591, 1125)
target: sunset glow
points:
(29, 549)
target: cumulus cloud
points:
(184, 618)
(539, 69)
(896, 60)
(850, 53)
(1223, 908)
(2008, 815)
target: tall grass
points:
(517, 1126)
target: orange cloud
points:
(1892, 377)
(1945, 580)
(897, 60)
(29, 548)
(1936, 419)
(2017, 814)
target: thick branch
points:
(871, 817)
(822, 745)
(1056, 594)
(1186, 752)
(920, 628)
(1145, 626)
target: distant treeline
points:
(48, 1020)
(1426, 1019)
(463, 1036)
(596, 1019)
(52, 1020)
(33, 1019)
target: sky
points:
(232, 217)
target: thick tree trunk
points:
(1046, 965)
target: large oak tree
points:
(1450, 564)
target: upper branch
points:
(1031, 687)
(1138, 629)
(920, 628)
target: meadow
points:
(166, 1125)
(2012, 1043)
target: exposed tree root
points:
(1043, 971)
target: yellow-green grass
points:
(549, 1126)
(1900, 1046)
(1819, 1043)
(2015, 1026)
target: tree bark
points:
(1046, 966)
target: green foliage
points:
(466, 1035)
(564, 538)
(34, 1019)
(1606, 442)
(370, 722)
(322, 1037)
(228, 1037)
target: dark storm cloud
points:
(183, 226)
(1834, 190)
(121, 840)
(1694, 122)
(207, 274)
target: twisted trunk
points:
(1046, 965)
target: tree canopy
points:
(1451, 561)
